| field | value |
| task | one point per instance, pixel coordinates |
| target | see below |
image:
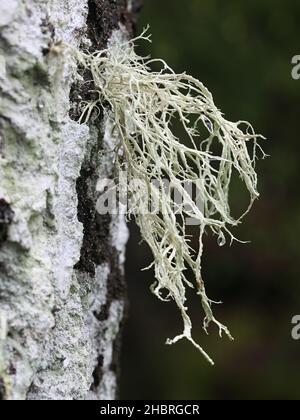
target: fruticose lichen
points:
(142, 106)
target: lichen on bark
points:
(61, 288)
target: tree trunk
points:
(62, 291)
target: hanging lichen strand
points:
(141, 106)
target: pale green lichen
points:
(142, 105)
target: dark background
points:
(242, 51)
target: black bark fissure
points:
(6, 217)
(104, 16)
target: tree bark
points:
(62, 292)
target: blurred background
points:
(242, 51)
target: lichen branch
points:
(142, 106)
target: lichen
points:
(142, 105)
(53, 339)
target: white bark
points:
(58, 324)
